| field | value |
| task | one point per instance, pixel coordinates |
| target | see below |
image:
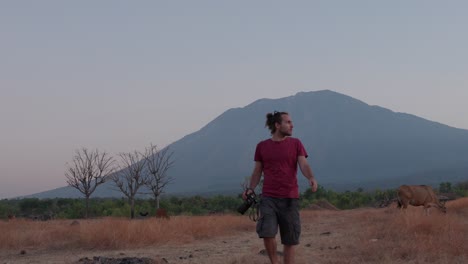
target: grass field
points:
(365, 235)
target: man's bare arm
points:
(307, 171)
(254, 178)
(256, 175)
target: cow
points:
(417, 195)
(162, 213)
(143, 214)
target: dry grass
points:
(115, 233)
(366, 235)
(393, 236)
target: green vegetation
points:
(67, 208)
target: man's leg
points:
(267, 227)
(290, 228)
(270, 246)
(288, 254)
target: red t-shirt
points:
(279, 160)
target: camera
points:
(251, 199)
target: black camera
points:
(251, 199)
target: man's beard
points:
(285, 133)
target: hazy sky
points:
(119, 75)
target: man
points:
(277, 158)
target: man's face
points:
(286, 126)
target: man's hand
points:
(313, 184)
(247, 192)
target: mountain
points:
(350, 144)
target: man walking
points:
(277, 158)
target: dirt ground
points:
(327, 237)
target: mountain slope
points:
(350, 144)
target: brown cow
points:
(162, 213)
(417, 195)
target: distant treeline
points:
(68, 208)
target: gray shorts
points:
(282, 212)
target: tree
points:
(246, 183)
(445, 187)
(88, 170)
(130, 177)
(321, 193)
(158, 162)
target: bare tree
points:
(88, 170)
(158, 162)
(130, 176)
(246, 183)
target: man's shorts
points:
(282, 212)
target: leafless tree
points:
(88, 170)
(130, 177)
(158, 162)
(246, 183)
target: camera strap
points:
(254, 213)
